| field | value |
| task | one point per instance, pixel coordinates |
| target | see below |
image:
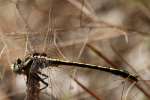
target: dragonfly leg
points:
(44, 75)
(41, 80)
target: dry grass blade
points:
(87, 90)
(93, 38)
(85, 10)
(114, 65)
(133, 69)
(95, 18)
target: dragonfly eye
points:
(16, 66)
(19, 61)
(36, 54)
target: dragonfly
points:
(37, 61)
(33, 64)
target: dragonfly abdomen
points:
(41, 62)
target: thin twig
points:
(95, 18)
(86, 89)
(100, 54)
(33, 88)
(129, 65)
(108, 61)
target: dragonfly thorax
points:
(32, 62)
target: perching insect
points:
(33, 63)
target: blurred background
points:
(112, 33)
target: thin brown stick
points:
(129, 65)
(87, 90)
(33, 88)
(100, 54)
(95, 18)
(95, 50)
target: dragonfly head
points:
(17, 66)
